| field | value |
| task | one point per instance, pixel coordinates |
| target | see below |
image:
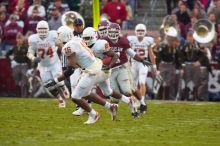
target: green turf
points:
(30, 122)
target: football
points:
(107, 60)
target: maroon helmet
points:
(114, 30)
(102, 28)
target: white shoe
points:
(80, 111)
(62, 104)
(113, 111)
(92, 119)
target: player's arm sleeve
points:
(106, 47)
(31, 49)
(131, 52)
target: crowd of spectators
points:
(191, 64)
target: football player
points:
(141, 44)
(43, 44)
(102, 28)
(121, 75)
(80, 56)
(101, 49)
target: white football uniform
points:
(100, 47)
(50, 65)
(90, 65)
(139, 71)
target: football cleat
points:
(143, 108)
(135, 115)
(92, 120)
(113, 111)
(80, 111)
(62, 104)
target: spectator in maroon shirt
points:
(116, 11)
(3, 17)
(20, 6)
(32, 20)
(10, 33)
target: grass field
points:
(39, 122)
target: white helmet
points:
(65, 34)
(172, 32)
(89, 36)
(140, 30)
(42, 29)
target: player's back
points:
(84, 55)
(45, 48)
(100, 47)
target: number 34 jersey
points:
(140, 47)
(46, 49)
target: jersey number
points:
(48, 53)
(140, 52)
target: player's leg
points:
(56, 71)
(142, 76)
(47, 75)
(83, 89)
(114, 83)
(74, 79)
(124, 81)
(107, 91)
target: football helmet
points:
(114, 30)
(65, 34)
(102, 28)
(42, 29)
(69, 17)
(140, 30)
(89, 36)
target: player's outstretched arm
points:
(136, 57)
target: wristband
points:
(154, 66)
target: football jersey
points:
(140, 47)
(120, 48)
(84, 55)
(45, 49)
(100, 47)
(63, 57)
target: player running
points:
(121, 75)
(43, 44)
(80, 56)
(101, 49)
(141, 44)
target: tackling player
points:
(43, 44)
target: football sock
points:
(107, 105)
(142, 100)
(125, 99)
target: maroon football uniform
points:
(120, 48)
